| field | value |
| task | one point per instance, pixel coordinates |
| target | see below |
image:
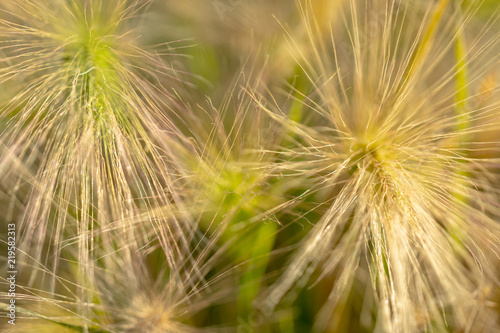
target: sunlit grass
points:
(302, 166)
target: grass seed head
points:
(386, 136)
(88, 133)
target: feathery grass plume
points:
(387, 141)
(87, 132)
(236, 190)
(136, 291)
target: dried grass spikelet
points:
(145, 295)
(232, 174)
(134, 291)
(388, 141)
(237, 192)
(88, 131)
(171, 304)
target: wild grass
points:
(339, 174)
